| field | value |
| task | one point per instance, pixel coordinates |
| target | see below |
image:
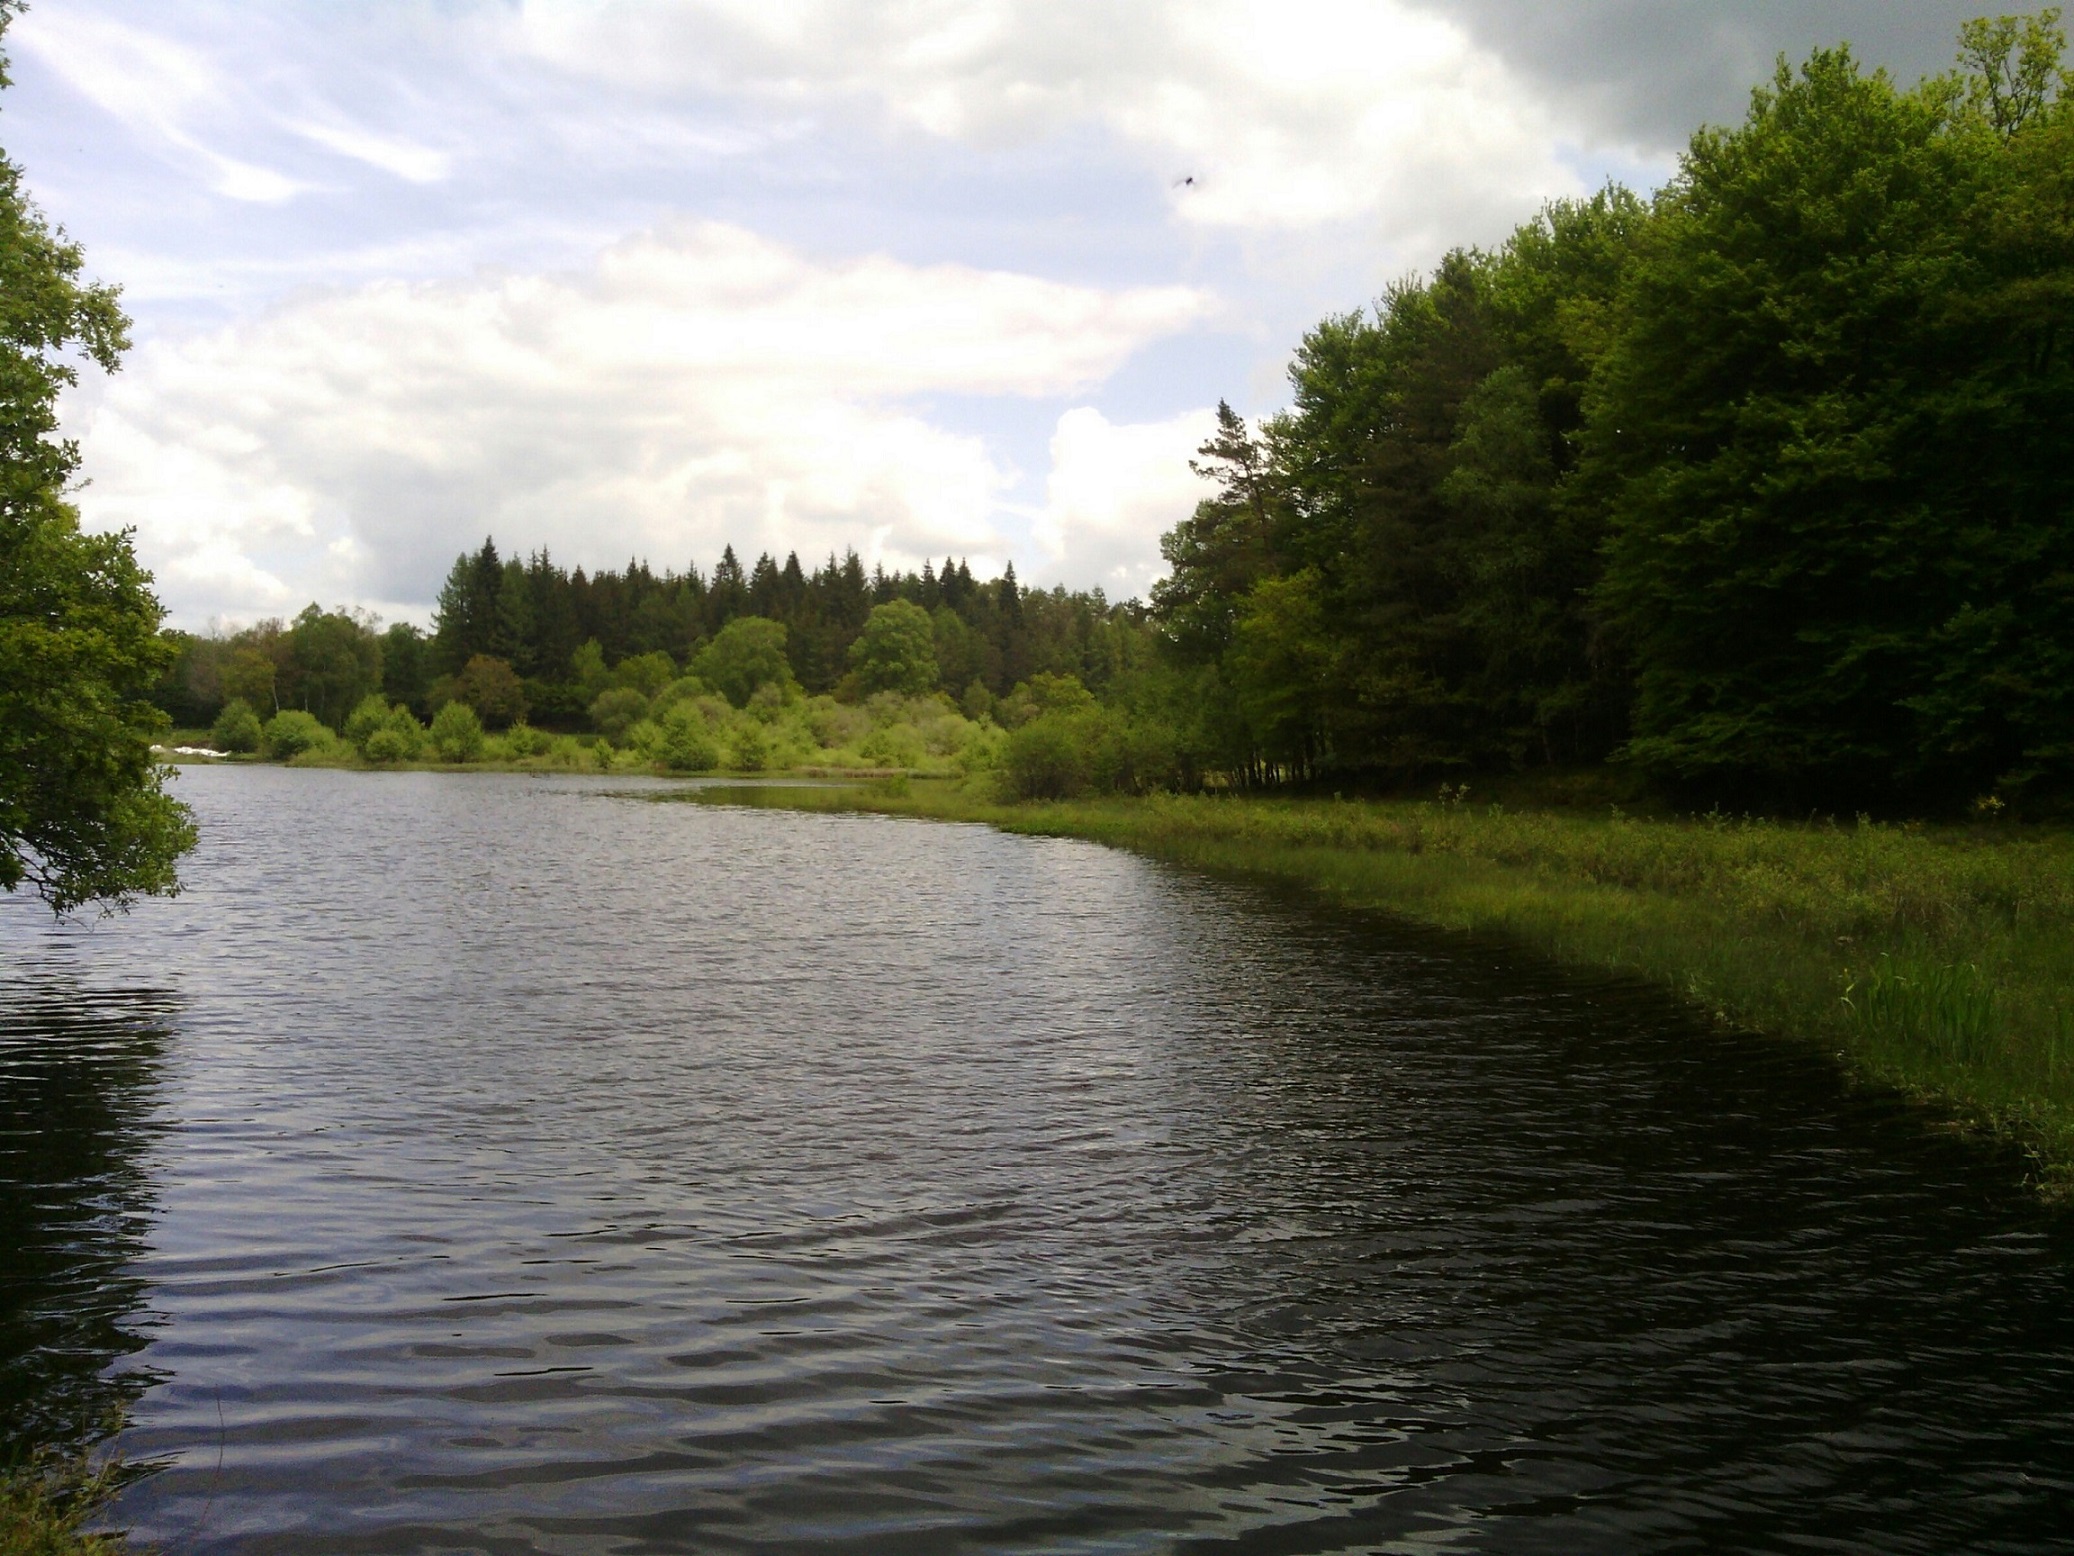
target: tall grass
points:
(46, 1503)
(1940, 959)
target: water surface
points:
(514, 1164)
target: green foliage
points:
(293, 732)
(587, 669)
(747, 654)
(647, 673)
(333, 660)
(2011, 67)
(384, 733)
(368, 715)
(618, 710)
(1759, 483)
(1839, 553)
(896, 652)
(406, 665)
(1047, 759)
(1044, 693)
(1071, 751)
(46, 1503)
(391, 744)
(83, 814)
(236, 728)
(492, 688)
(250, 676)
(686, 743)
(457, 734)
(1947, 1012)
(751, 747)
(522, 740)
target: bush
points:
(381, 733)
(370, 714)
(236, 727)
(891, 745)
(685, 744)
(752, 747)
(687, 688)
(1046, 759)
(292, 732)
(457, 733)
(389, 744)
(522, 739)
(617, 711)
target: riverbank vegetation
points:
(46, 1504)
(1932, 958)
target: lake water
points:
(517, 1164)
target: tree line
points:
(1758, 485)
(526, 638)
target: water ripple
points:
(509, 1164)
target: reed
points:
(1939, 959)
(46, 1503)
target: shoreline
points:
(1930, 961)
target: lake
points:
(515, 1163)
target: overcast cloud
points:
(919, 278)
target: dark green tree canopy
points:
(1761, 484)
(84, 815)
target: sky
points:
(913, 277)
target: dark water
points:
(507, 1164)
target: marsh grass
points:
(46, 1503)
(1936, 959)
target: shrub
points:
(236, 727)
(292, 732)
(381, 733)
(685, 744)
(686, 688)
(752, 747)
(522, 739)
(370, 714)
(1046, 759)
(389, 744)
(457, 733)
(617, 711)
(891, 745)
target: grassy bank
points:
(45, 1506)
(1939, 960)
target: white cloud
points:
(408, 161)
(153, 85)
(1286, 114)
(1113, 491)
(697, 385)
